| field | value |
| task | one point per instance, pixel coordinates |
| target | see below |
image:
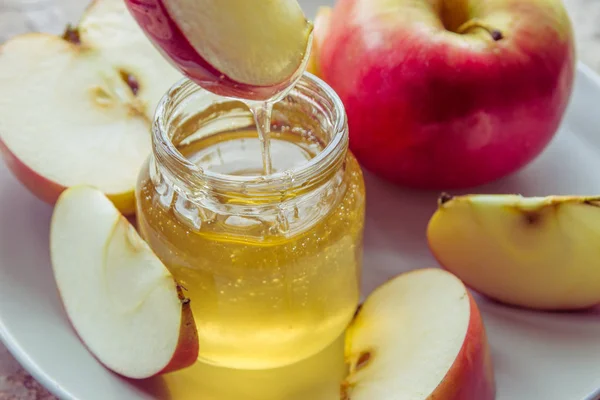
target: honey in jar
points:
(271, 262)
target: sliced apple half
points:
(420, 337)
(247, 49)
(121, 300)
(533, 252)
(78, 109)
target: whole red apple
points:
(447, 94)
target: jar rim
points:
(178, 164)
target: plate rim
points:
(43, 377)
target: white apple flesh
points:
(78, 110)
(533, 252)
(121, 300)
(419, 337)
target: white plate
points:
(537, 355)
(541, 356)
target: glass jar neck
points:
(188, 112)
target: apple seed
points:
(131, 81)
(363, 360)
(71, 35)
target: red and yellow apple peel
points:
(448, 94)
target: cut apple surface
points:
(534, 252)
(120, 298)
(242, 48)
(78, 110)
(419, 337)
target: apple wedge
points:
(533, 252)
(419, 336)
(77, 110)
(120, 298)
(240, 48)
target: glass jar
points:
(271, 264)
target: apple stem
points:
(475, 24)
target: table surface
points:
(19, 16)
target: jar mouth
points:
(187, 173)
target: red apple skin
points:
(472, 374)
(49, 191)
(431, 109)
(188, 348)
(186, 352)
(44, 189)
(159, 27)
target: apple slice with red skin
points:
(419, 336)
(445, 94)
(238, 48)
(78, 109)
(122, 301)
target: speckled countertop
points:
(50, 15)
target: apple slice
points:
(533, 252)
(419, 336)
(241, 48)
(78, 110)
(121, 300)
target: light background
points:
(18, 16)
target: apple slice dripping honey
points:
(77, 109)
(532, 252)
(121, 300)
(419, 336)
(239, 48)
